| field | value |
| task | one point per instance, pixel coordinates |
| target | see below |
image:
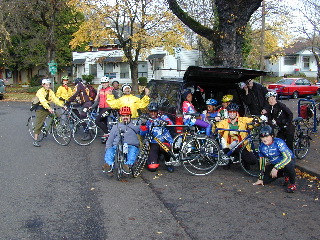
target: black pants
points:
(287, 171)
(155, 151)
(101, 119)
(287, 135)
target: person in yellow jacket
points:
(231, 138)
(45, 96)
(129, 100)
(64, 92)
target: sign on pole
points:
(52, 67)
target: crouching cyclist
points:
(276, 160)
(162, 134)
(130, 137)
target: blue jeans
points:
(131, 156)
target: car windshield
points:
(285, 81)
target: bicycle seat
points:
(297, 119)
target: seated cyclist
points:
(276, 160)
(231, 138)
(130, 137)
(162, 134)
(211, 111)
(187, 108)
(226, 101)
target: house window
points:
(124, 70)
(108, 68)
(93, 69)
(306, 62)
(142, 69)
(290, 60)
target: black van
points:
(207, 82)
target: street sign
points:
(52, 67)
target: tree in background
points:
(226, 33)
(310, 28)
(137, 26)
(39, 31)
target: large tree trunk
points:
(228, 35)
(134, 76)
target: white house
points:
(297, 59)
(108, 61)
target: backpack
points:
(306, 112)
(91, 92)
(35, 103)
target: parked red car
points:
(294, 87)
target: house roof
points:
(292, 50)
(153, 56)
(112, 59)
(78, 61)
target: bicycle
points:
(203, 147)
(121, 152)
(85, 130)
(249, 143)
(56, 126)
(301, 142)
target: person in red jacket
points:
(104, 108)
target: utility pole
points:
(262, 42)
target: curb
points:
(308, 170)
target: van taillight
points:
(179, 121)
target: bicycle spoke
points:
(61, 132)
(84, 132)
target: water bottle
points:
(125, 148)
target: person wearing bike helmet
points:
(64, 92)
(280, 118)
(225, 101)
(128, 99)
(130, 131)
(276, 160)
(45, 96)
(162, 133)
(231, 138)
(104, 108)
(211, 111)
(189, 110)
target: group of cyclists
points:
(276, 157)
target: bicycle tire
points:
(200, 156)
(301, 147)
(61, 131)
(31, 125)
(119, 163)
(252, 169)
(141, 160)
(84, 132)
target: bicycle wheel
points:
(84, 132)
(252, 168)
(119, 161)
(301, 146)
(31, 125)
(200, 156)
(141, 160)
(61, 131)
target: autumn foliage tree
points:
(228, 30)
(137, 26)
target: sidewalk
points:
(311, 163)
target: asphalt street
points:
(59, 192)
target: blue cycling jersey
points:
(274, 151)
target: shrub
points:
(143, 81)
(35, 81)
(88, 78)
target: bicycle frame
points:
(314, 108)
(249, 136)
